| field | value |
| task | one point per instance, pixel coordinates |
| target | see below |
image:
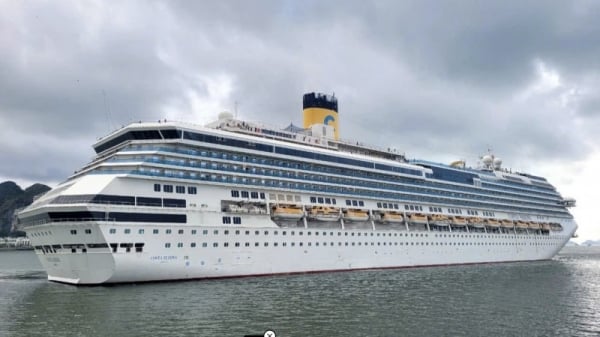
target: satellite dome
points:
(497, 162)
(487, 160)
(225, 115)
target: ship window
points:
(226, 220)
(215, 244)
(142, 201)
(156, 187)
(180, 231)
(385, 205)
(406, 207)
(168, 188)
(167, 245)
(192, 190)
(141, 231)
(378, 205)
(254, 195)
(320, 200)
(237, 220)
(193, 244)
(262, 195)
(354, 203)
(361, 203)
(168, 231)
(127, 231)
(348, 202)
(112, 231)
(205, 231)
(244, 194)
(395, 206)
(235, 194)
(204, 244)
(333, 201)
(155, 231)
(247, 244)
(216, 232)
(73, 232)
(256, 244)
(180, 189)
(226, 244)
(313, 200)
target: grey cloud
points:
(433, 79)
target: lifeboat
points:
(534, 225)
(492, 223)
(236, 208)
(522, 224)
(458, 221)
(507, 223)
(476, 222)
(417, 218)
(356, 215)
(321, 213)
(546, 226)
(391, 217)
(439, 220)
(287, 212)
(556, 227)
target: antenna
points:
(235, 109)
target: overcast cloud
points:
(437, 80)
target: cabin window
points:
(156, 187)
(168, 188)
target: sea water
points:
(560, 297)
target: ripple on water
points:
(549, 298)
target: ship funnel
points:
(321, 109)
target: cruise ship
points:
(175, 201)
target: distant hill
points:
(12, 197)
(589, 243)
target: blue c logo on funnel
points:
(328, 118)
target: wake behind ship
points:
(174, 201)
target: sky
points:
(437, 80)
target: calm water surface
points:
(560, 297)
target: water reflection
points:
(549, 298)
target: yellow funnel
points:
(321, 109)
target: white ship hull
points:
(157, 263)
(205, 249)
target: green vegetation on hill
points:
(12, 197)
